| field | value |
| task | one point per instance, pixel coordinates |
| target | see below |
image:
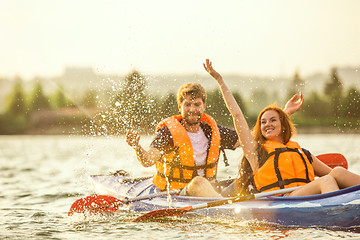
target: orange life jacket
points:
(177, 168)
(286, 166)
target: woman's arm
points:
(246, 139)
(294, 104)
(320, 168)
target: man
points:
(186, 147)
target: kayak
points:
(335, 209)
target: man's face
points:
(192, 109)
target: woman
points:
(271, 160)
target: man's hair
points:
(193, 89)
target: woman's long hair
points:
(245, 171)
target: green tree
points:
(240, 101)
(259, 99)
(89, 99)
(16, 101)
(215, 106)
(315, 106)
(38, 100)
(168, 106)
(130, 108)
(351, 104)
(133, 103)
(14, 120)
(296, 85)
(333, 90)
(60, 100)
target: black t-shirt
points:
(308, 155)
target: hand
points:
(133, 138)
(294, 104)
(208, 67)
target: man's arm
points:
(229, 138)
(146, 158)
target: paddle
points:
(170, 212)
(109, 204)
(104, 203)
(333, 160)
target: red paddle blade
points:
(166, 212)
(95, 204)
(333, 160)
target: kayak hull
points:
(336, 209)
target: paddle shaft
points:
(242, 198)
(120, 202)
(169, 212)
(149, 196)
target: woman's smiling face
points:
(271, 126)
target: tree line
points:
(131, 106)
(25, 112)
(335, 106)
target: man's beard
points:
(192, 122)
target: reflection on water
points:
(41, 176)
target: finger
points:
(294, 97)
(128, 133)
(205, 66)
(301, 96)
(128, 141)
(301, 99)
(208, 63)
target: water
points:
(41, 176)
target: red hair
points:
(245, 172)
(287, 127)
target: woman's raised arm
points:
(246, 139)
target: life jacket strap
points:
(181, 179)
(176, 164)
(281, 183)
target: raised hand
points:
(294, 104)
(209, 68)
(133, 138)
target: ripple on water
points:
(39, 215)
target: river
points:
(41, 176)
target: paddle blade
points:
(95, 204)
(333, 160)
(166, 212)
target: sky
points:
(259, 37)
